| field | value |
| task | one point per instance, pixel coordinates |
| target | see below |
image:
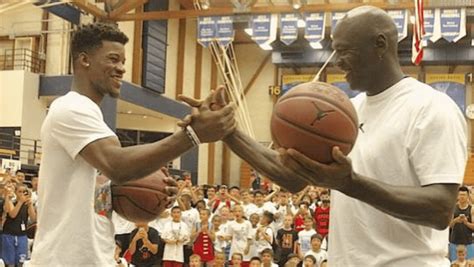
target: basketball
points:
(142, 200)
(312, 118)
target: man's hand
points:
(210, 121)
(336, 175)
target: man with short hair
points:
(76, 143)
(462, 225)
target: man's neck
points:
(83, 87)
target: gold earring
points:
(87, 64)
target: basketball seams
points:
(324, 137)
(281, 116)
(328, 100)
(141, 186)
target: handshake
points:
(211, 119)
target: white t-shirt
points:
(253, 251)
(320, 256)
(175, 231)
(69, 232)
(218, 244)
(240, 233)
(412, 136)
(304, 240)
(249, 209)
(262, 243)
(121, 225)
(190, 217)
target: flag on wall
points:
(418, 32)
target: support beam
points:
(211, 156)
(187, 4)
(198, 72)
(137, 60)
(225, 164)
(125, 7)
(157, 15)
(257, 73)
(90, 8)
(180, 65)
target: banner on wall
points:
(292, 80)
(224, 30)
(335, 17)
(288, 28)
(451, 84)
(206, 30)
(314, 30)
(264, 28)
(10, 165)
(432, 26)
(340, 82)
(400, 17)
(453, 24)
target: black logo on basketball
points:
(320, 114)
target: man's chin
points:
(115, 93)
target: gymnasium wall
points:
(11, 97)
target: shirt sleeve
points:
(76, 126)
(437, 142)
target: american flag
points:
(418, 32)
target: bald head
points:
(365, 25)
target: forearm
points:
(153, 248)
(14, 212)
(429, 205)
(32, 212)
(133, 247)
(469, 225)
(135, 162)
(263, 159)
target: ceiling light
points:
(266, 47)
(248, 31)
(204, 4)
(296, 4)
(129, 112)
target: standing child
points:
(286, 240)
(319, 254)
(264, 236)
(238, 231)
(304, 236)
(175, 234)
(251, 250)
(203, 235)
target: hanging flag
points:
(400, 17)
(418, 32)
(264, 29)
(288, 28)
(436, 34)
(206, 30)
(314, 30)
(336, 16)
(453, 24)
(225, 30)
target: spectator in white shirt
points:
(175, 234)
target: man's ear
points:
(84, 60)
(381, 45)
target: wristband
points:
(192, 135)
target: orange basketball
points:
(142, 200)
(314, 117)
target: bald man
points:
(394, 194)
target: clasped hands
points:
(213, 119)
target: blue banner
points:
(335, 17)
(288, 28)
(261, 26)
(400, 17)
(314, 30)
(453, 24)
(429, 18)
(225, 30)
(206, 30)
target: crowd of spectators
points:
(215, 225)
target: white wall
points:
(125, 121)
(11, 97)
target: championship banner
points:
(225, 30)
(453, 24)
(335, 17)
(432, 26)
(340, 82)
(400, 17)
(10, 165)
(314, 30)
(288, 28)
(206, 30)
(451, 84)
(290, 81)
(264, 29)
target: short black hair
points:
(255, 259)
(309, 256)
(90, 36)
(463, 189)
(318, 236)
(175, 208)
